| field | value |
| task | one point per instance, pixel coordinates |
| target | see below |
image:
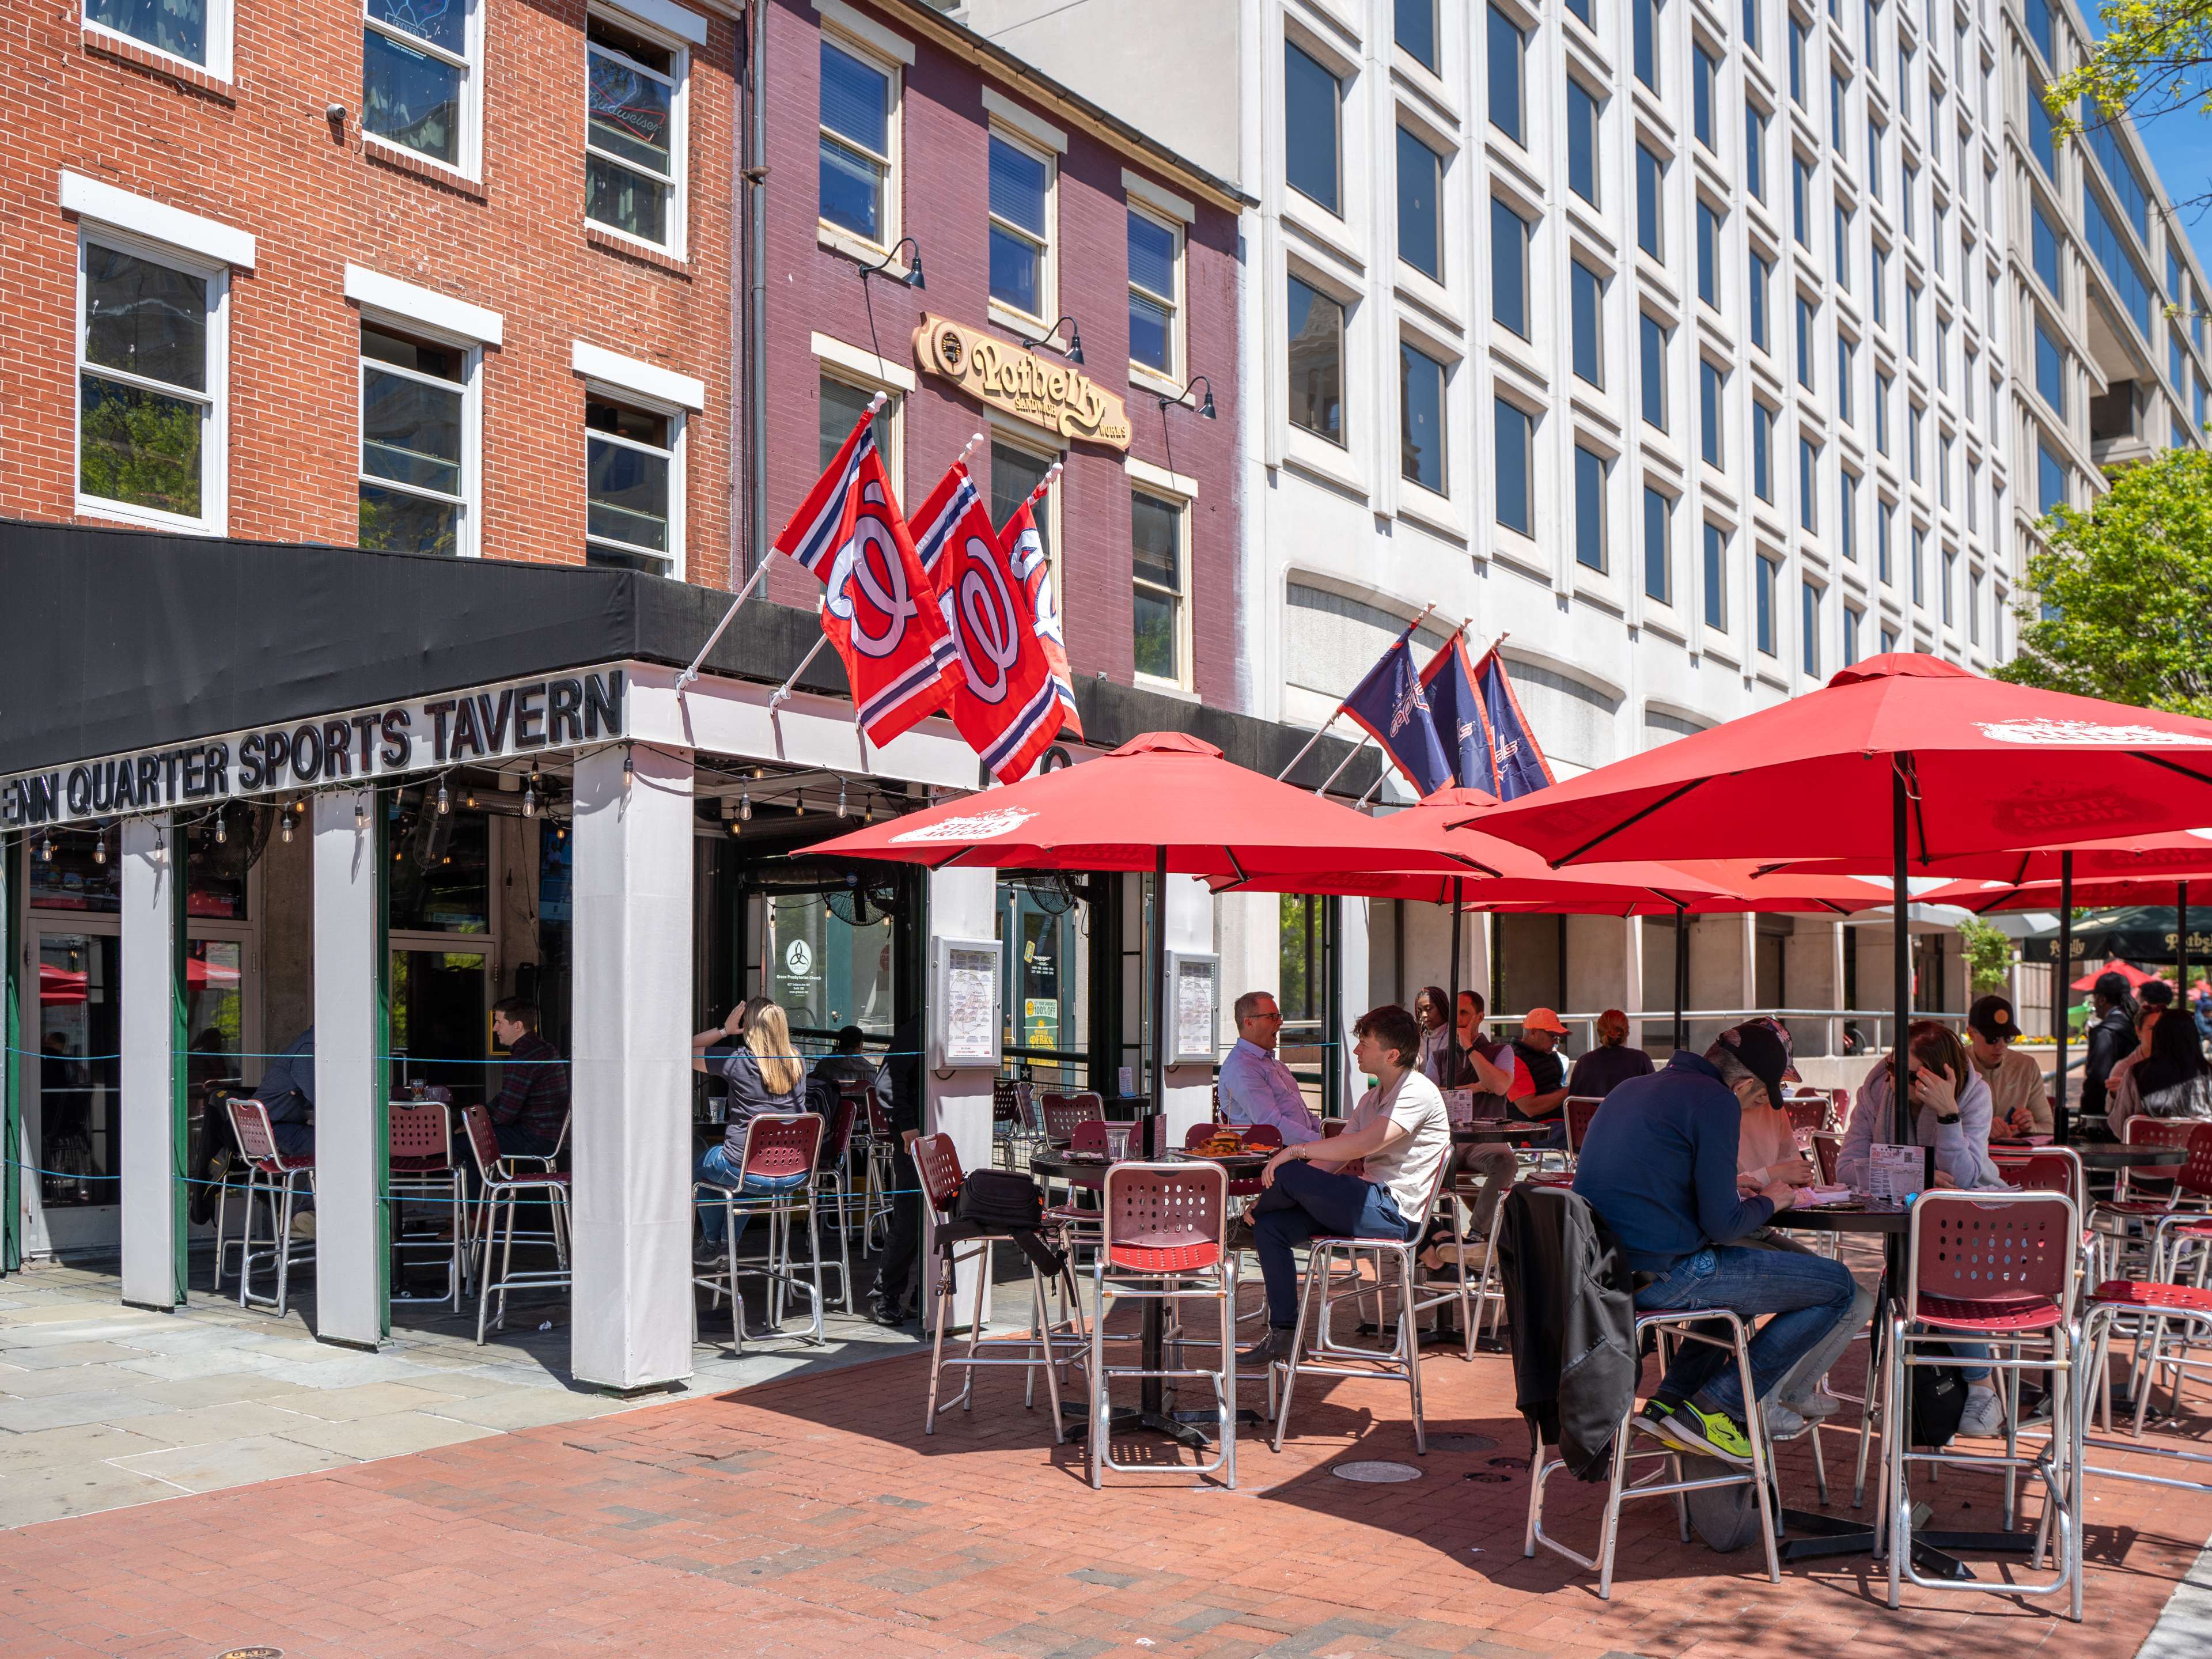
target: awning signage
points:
(473, 727)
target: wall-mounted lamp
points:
(1205, 408)
(913, 278)
(1074, 349)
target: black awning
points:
(112, 641)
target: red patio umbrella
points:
(2127, 971)
(1901, 756)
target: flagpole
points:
(875, 404)
(1365, 737)
(782, 693)
(1323, 729)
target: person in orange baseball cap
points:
(1540, 1071)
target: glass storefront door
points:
(1043, 930)
(73, 1102)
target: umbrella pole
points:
(1681, 974)
(1451, 1014)
(1162, 1012)
(1901, 900)
(2181, 943)
(2059, 989)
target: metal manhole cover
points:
(1508, 1462)
(1488, 1477)
(1376, 1474)
(1463, 1443)
(251, 1653)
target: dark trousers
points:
(519, 1139)
(1305, 1202)
(896, 1265)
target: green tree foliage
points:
(2125, 592)
(2155, 55)
(1989, 955)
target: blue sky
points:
(2181, 145)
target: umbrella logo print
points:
(971, 826)
(2047, 733)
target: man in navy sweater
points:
(1658, 1162)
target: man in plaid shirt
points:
(532, 1103)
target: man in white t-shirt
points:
(1401, 1131)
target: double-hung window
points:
(857, 99)
(417, 468)
(1312, 112)
(1157, 608)
(150, 386)
(633, 487)
(1021, 229)
(1155, 292)
(633, 162)
(420, 77)
(196, 31)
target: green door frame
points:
(11, 1016)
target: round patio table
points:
(1152, 1411)
(2128, 1157)
(1511, 1132)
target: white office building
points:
(1699, 351)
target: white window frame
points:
(1048, 251)
(678, 82)
(1018, 434)
(220, 37)
(1169, 380)
(826, 232)
(469, 544)
(646, 386)
(1150, 486)
(854, 369)
(215, 449)
(469, 164)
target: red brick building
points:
(438, 274)
(893, 135)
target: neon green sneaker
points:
(1711, 1433)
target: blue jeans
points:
(1807, 1295)
(1304, 1202)
(719, 1164)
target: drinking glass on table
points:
(1117, 1141)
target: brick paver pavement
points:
(811, 1515)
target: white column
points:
(1813, 960)
(350, 1097)
(152, 864)
(962, 906)
(1351, 993)
(1631, 976)
(1190, 928)
(631, 1091)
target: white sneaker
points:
(1820, 1407)
(1781, 1423)
(1983, 1417)
(303, 1224)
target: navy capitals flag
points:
(1456, 708)
(880, 608)
(1007, 705)
(1515, 761)
(1391, 704)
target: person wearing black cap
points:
(1658, 1164)
(2017, 1102)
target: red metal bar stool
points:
(2151, 1308)
(778, 1147)
(1164, 1240)
(421, 1168)
(279, 1177)
(1052, 1346)
(2000, 1268)
(497, 1185)
(833, 1186)
(881, 1174)
(2126, 1222)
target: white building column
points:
(1724, 970)
(1351, 993)
(962, 905)
(631, 1074)
(350, 1135)
(1190, 1089)
(152, 1069)
(1812, 969)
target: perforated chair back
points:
(1002, 1101)
(782, 1144)
(1089, 1136)
(837, 1144)
(256, 1140)
(484, 1140)
(1992, 1260)
(1809, 1114)
(2196, 1176)
(2045, 1169)
(939, 1165)
(1262, 1135)
(419, 1139)
(1165, 1218)
(2139, 1131)
(1581, 1108)
(879, 1118)
(1827, 1148)
(1063, 1112)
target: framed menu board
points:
(964, 1004)
(1194, 982)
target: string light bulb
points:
(47, 849)
(220, 834)
(100, 848)
(286, 816)
(530, 797)
(445, 804)
(469, 801)
(361, 815)
(840, 797)
(799, 811)
(746, 805)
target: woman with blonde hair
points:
(765, 1075)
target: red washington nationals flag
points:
(1025, 548)
(1007, 705)
(879, 612)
